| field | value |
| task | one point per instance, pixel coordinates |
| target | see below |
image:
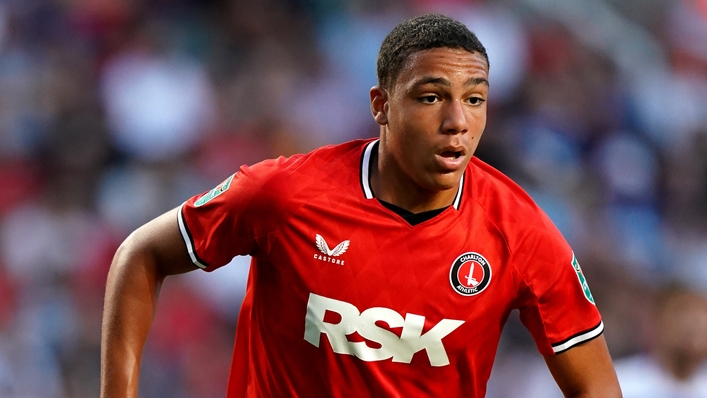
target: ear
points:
(379, 105)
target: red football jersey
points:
(345, 298)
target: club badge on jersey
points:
(470, 274)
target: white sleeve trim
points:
(579, 339)
(187, 238)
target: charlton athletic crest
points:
(470, 274)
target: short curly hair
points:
(422, 33)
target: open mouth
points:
(451, 154)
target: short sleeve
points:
(557, 306)
(232, 218)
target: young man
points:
(380, 267)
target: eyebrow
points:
(475, 81)
(472, 81)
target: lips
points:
(451, 154)
(451, 159)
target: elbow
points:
(134, 255)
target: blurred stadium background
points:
(114, 111)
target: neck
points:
(392, 185)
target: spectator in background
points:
(675, 365)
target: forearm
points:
(585, 371)
(130, 301)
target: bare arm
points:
(145, 258)
(585, 371)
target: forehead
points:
(449, 63)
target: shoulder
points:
(503, 201)
(341, 152)
(275, 188)
(306, 175)
(319, 163)
(529, 234)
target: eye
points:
(428, 99)
(476, 101)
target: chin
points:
(444, 182)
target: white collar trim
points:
(366, 176)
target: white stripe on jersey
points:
(187, 239)
(365, 169)
(458, 199)
(579, 339)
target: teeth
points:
(451, 155)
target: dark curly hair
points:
(422, 33)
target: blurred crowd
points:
(114, 111)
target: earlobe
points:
(379, 105)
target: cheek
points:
(476, 128)
(410, 146)
(409, 131)
(478, 121)
(476, 137)
(476, 132)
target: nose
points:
(455, 118)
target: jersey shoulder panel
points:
(240, 214)
(498, 194)
(322, 168)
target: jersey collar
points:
(366, 175)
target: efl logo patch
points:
(220, 188)
(470, 274)
(582, 280)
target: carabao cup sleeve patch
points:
(582, 280)
(218, 190)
